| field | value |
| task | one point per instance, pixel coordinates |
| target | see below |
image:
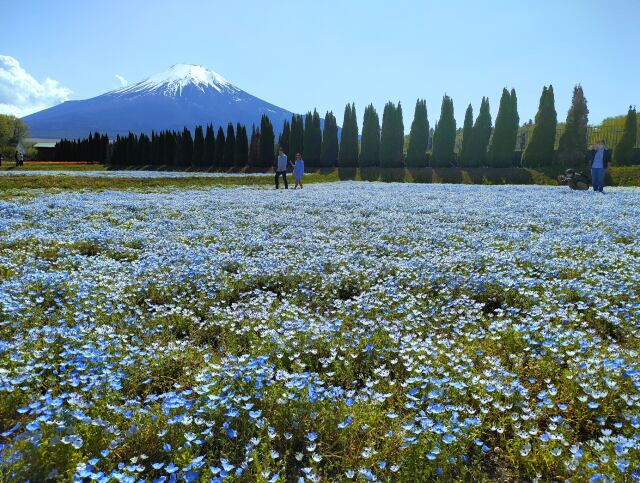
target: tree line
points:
(381, 143)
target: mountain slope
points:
(183, 95)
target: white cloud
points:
(21, 94)
(123, 82)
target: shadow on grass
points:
(347, 174)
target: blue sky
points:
(305, 54)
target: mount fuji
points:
(183, 95)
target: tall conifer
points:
(572, 147)
(444, 137)
(330, 141)
(418, 137)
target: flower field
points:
(357, 331)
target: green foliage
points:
(229, 147)
(348, 155)
(220, 142)
(444, 137)
(241, 155)
(466, 151)
(503, 143)
(370, 144)
(312, 140)
(392, 136)
(12, 130)
(254, 148)
(198, 147)
(330, 141)
(540, 150)
(209, 147)
(186, 148)
(480, 135)
(267, 140)
(418, 137)
(572, 149)
(623, 153)
(296, 139)
(285, 135)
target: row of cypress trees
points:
(180, 149)
(381, 145)
(95, 148)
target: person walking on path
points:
(298, 170)
(282, 163)
(598, 167)
(17, 158)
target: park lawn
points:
(51, 166)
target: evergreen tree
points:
(229, 147)
(241, 155)
(388, 137)
(187, 148)
(220, 143)
(444, 137)
(572, 148)
(398, 131)
(198, 147)
(283, 139)
(480, 135)
(503, 143)
(330, 141)
(209, 147)
(467, 132)
(312, 140)
(539, 151)
(370, 144)
(296, 137)
(623, 152)
(267, 140)
(254, 148)
(418, 136)
(348, 155)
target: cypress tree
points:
(229, 147)
(254, 147)
(296, 137)
(444, 137)
(220, 143)
(330, 141)
(370, 144)
(388, 136)
(267, 139)
(418, 136)
(348, 155)
(466, 152)
(316, 150)
(623, 152)
(480, 135)
(312, 139)
(539, 151)
(503, 144)
(241, 155)
(399, 137)
(283, 139)
(572, 148)
(198, 147)
(187, 148)
(209, 147)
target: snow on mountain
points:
(183, 95)
(172, 81)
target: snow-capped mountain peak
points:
(172, 81)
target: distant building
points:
(46, 151)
